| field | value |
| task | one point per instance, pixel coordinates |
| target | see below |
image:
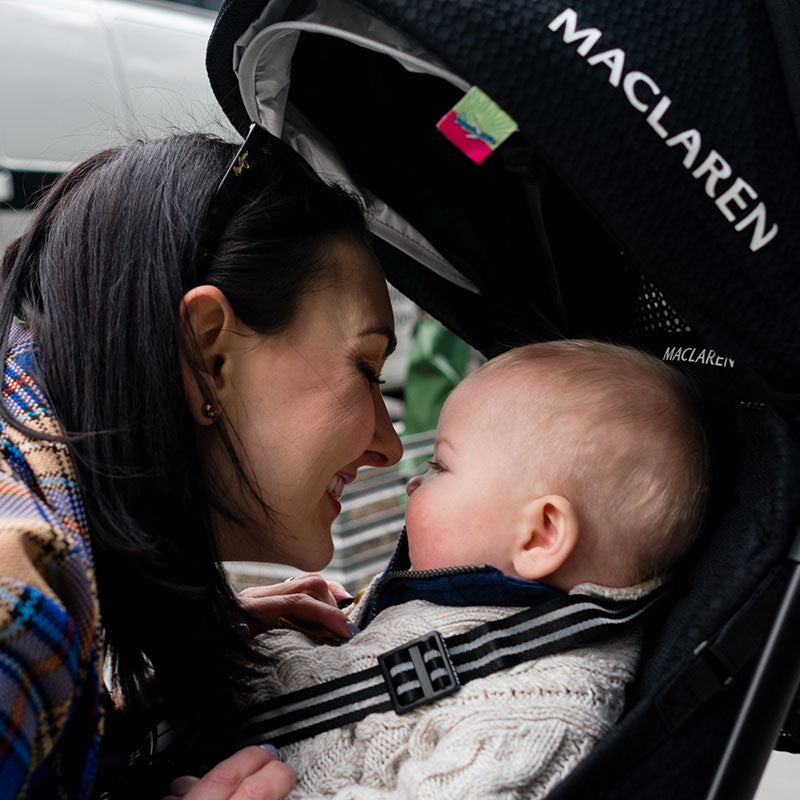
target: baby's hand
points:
(308, 603)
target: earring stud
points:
(210, 411)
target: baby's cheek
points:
(423, 532)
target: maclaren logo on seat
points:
(736, 201)
(697, 355)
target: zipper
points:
(420, 574)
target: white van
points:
(80, 75)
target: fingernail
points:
(269, 748)
(353, 628)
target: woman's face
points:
(307, 412)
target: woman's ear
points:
(208, 323)
(547, 537)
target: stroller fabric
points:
(648, 197)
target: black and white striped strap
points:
(430, 667)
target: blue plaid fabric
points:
(50, 651)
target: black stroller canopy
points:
(646, 192)
(656, 141)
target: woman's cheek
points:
(360, 421)
(338, 419)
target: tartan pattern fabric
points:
(50, 635)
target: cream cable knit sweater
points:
(511, 735)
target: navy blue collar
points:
(479, 585)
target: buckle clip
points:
(418, 672)
(722, 671)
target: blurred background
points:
(81, 75)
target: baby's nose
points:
(413, 484)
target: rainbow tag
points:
(476, 125)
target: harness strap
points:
(420, 672)
(719, 660)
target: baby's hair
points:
(621, 435)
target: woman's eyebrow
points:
(386, 331)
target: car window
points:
(212, 5)
(84, 74)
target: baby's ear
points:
(547, 537)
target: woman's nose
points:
(385, 448)
(413, 485)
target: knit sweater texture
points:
(511, 735)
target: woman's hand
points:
(251, 774)
(307, 602)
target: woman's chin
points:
(315, 563)
(298, 550)
(313, 557)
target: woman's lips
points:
(336, 488)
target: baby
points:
(571, 466)
(564, 462)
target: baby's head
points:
(564, 462)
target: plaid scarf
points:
(50, 635)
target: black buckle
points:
(722, 671)
(418, 672)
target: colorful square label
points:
(476, 125)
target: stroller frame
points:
(772, 689)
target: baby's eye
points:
(435, 466)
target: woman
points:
(192, 376)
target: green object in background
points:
(438, 360)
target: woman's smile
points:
(337, 484)
(308, 407)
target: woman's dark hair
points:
(99, 277)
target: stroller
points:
(628, 172)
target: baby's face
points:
(463, 510)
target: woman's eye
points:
(371, 374)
